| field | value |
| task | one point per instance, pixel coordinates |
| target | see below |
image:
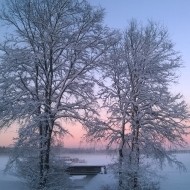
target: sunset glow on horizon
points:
(75, 141)
(7, 136)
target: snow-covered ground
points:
(9, 182)
(173, 178)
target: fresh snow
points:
(7, 181)
(173, 179)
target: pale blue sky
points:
(174, 14)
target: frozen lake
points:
(173, 178)
(9, 182)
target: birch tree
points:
(46, 72)
(143, 116)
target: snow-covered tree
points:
(143, 116)
(45, 71)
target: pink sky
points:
(76, 140)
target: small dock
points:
(86, 170)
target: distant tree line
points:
(5, 150)
(65, 150)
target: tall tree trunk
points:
(121, 156)
(120, 168)
(41, 182)
(45, 148)
(134, 158)
(135, 153)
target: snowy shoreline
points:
(173, 179)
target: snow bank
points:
(9, 182)
(174, 179)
